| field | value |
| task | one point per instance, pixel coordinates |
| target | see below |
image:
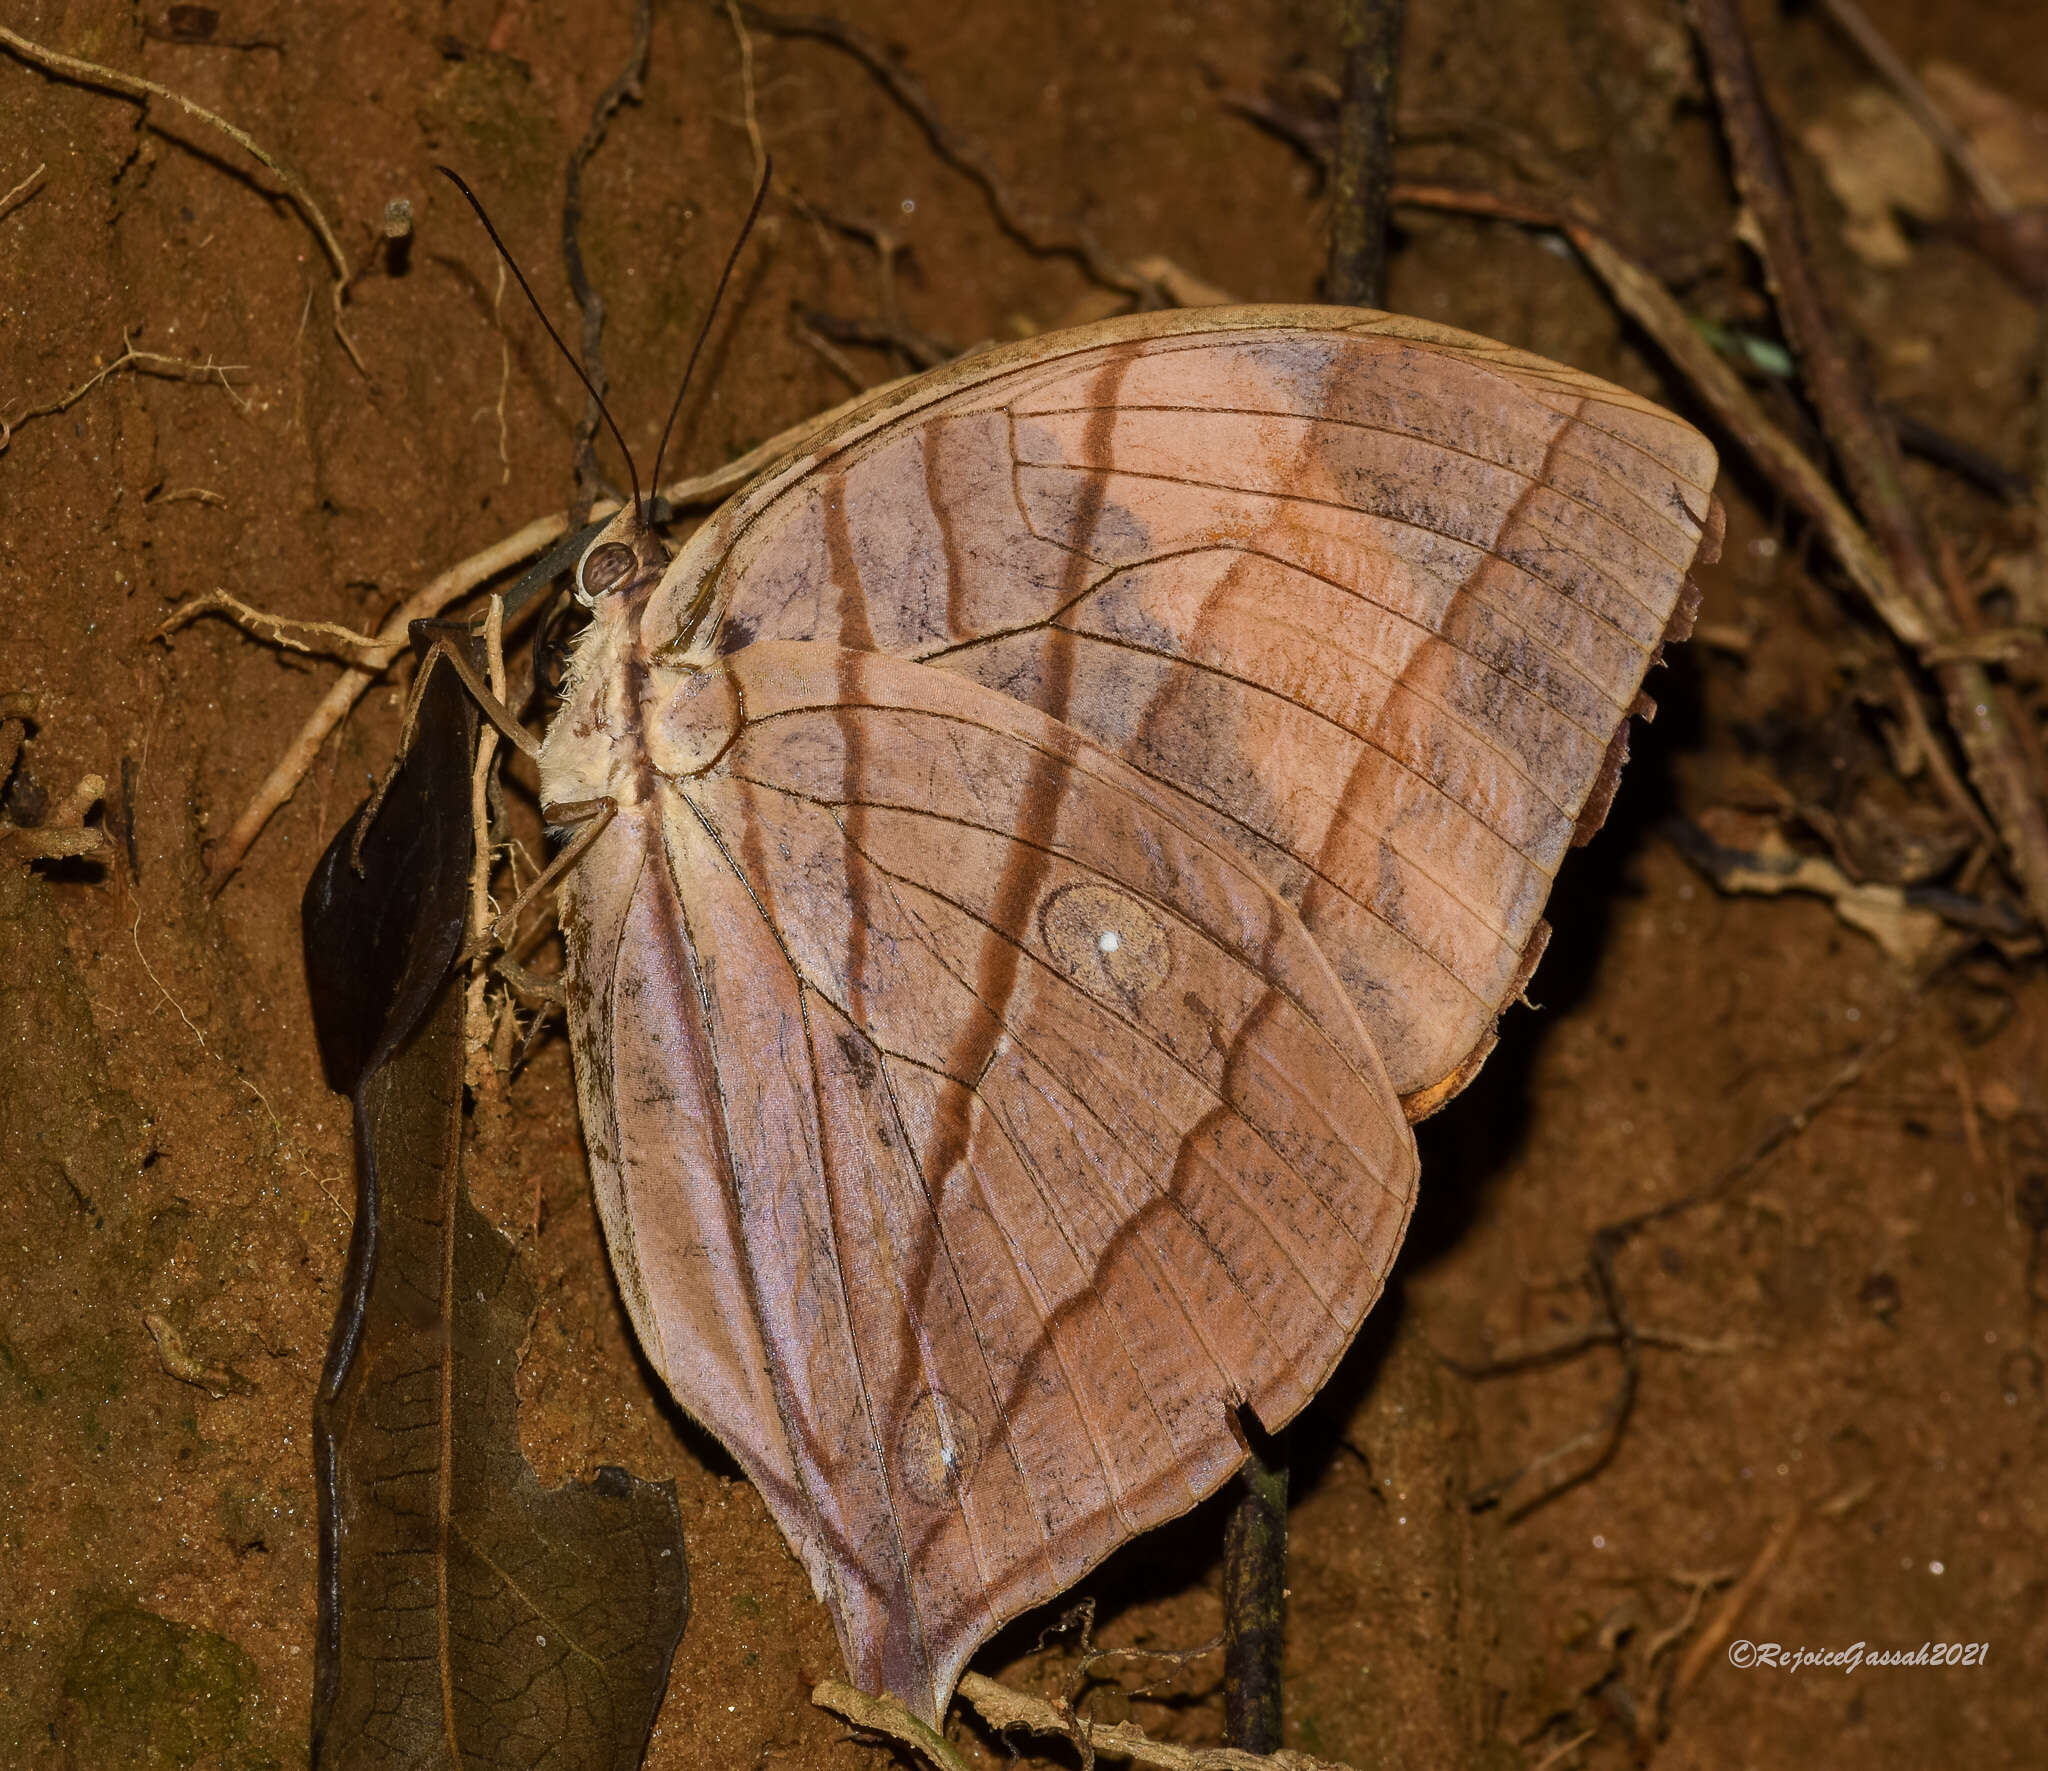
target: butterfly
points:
(1041, 846)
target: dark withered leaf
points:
(380, 936)
(468, 1616)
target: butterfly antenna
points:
(455, 178)
(711, 313)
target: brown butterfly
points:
(1043, 843)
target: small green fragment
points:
(1766, 356)
(145, 1694)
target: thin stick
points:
(890, 1719)
(1558, 1754)
(1946, 780)
(327, 639)
(747, 95)
(1541, 1350)
(1004, 1709)
(1995, 197)
(143, 363)
(481, 765)
(1362, 163)
(833, 357)
(1255, 1600)
(2040, 474)
(134, 86)
(283, 780)
(1999, 201)
(1708, 1642)
(23, 191)
(1865, 445)
(504, 378)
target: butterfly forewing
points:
(1379, 595)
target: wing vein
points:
(1491, 548)
(1166, 785)
(1428, 442)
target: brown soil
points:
(1857, 1338)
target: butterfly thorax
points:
(634, 714)
(595, 746)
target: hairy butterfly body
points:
(1067, 820)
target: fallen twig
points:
(1697, 1587)
(1931, 751)
(327, 639)
(1003, 1709)
(828, 353)
(64, 835)
(1981, 716)
(902, 342)
(748, 98)
(1856, 25)
(23, 191)
(1362, 152)
(143, 363)
(1558, 1754)
(890, 1719)
(283, 780)
(2006, 214)
(1538, 1351)
(1721, 1625)
(89, 73)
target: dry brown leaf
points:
(1768, 866)
(1878, 162)
(2010, 138)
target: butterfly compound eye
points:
(605, 567)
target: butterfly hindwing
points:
(1027, 1128)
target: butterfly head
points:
(627, 556)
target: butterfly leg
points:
(491, 705)
(593, 815)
